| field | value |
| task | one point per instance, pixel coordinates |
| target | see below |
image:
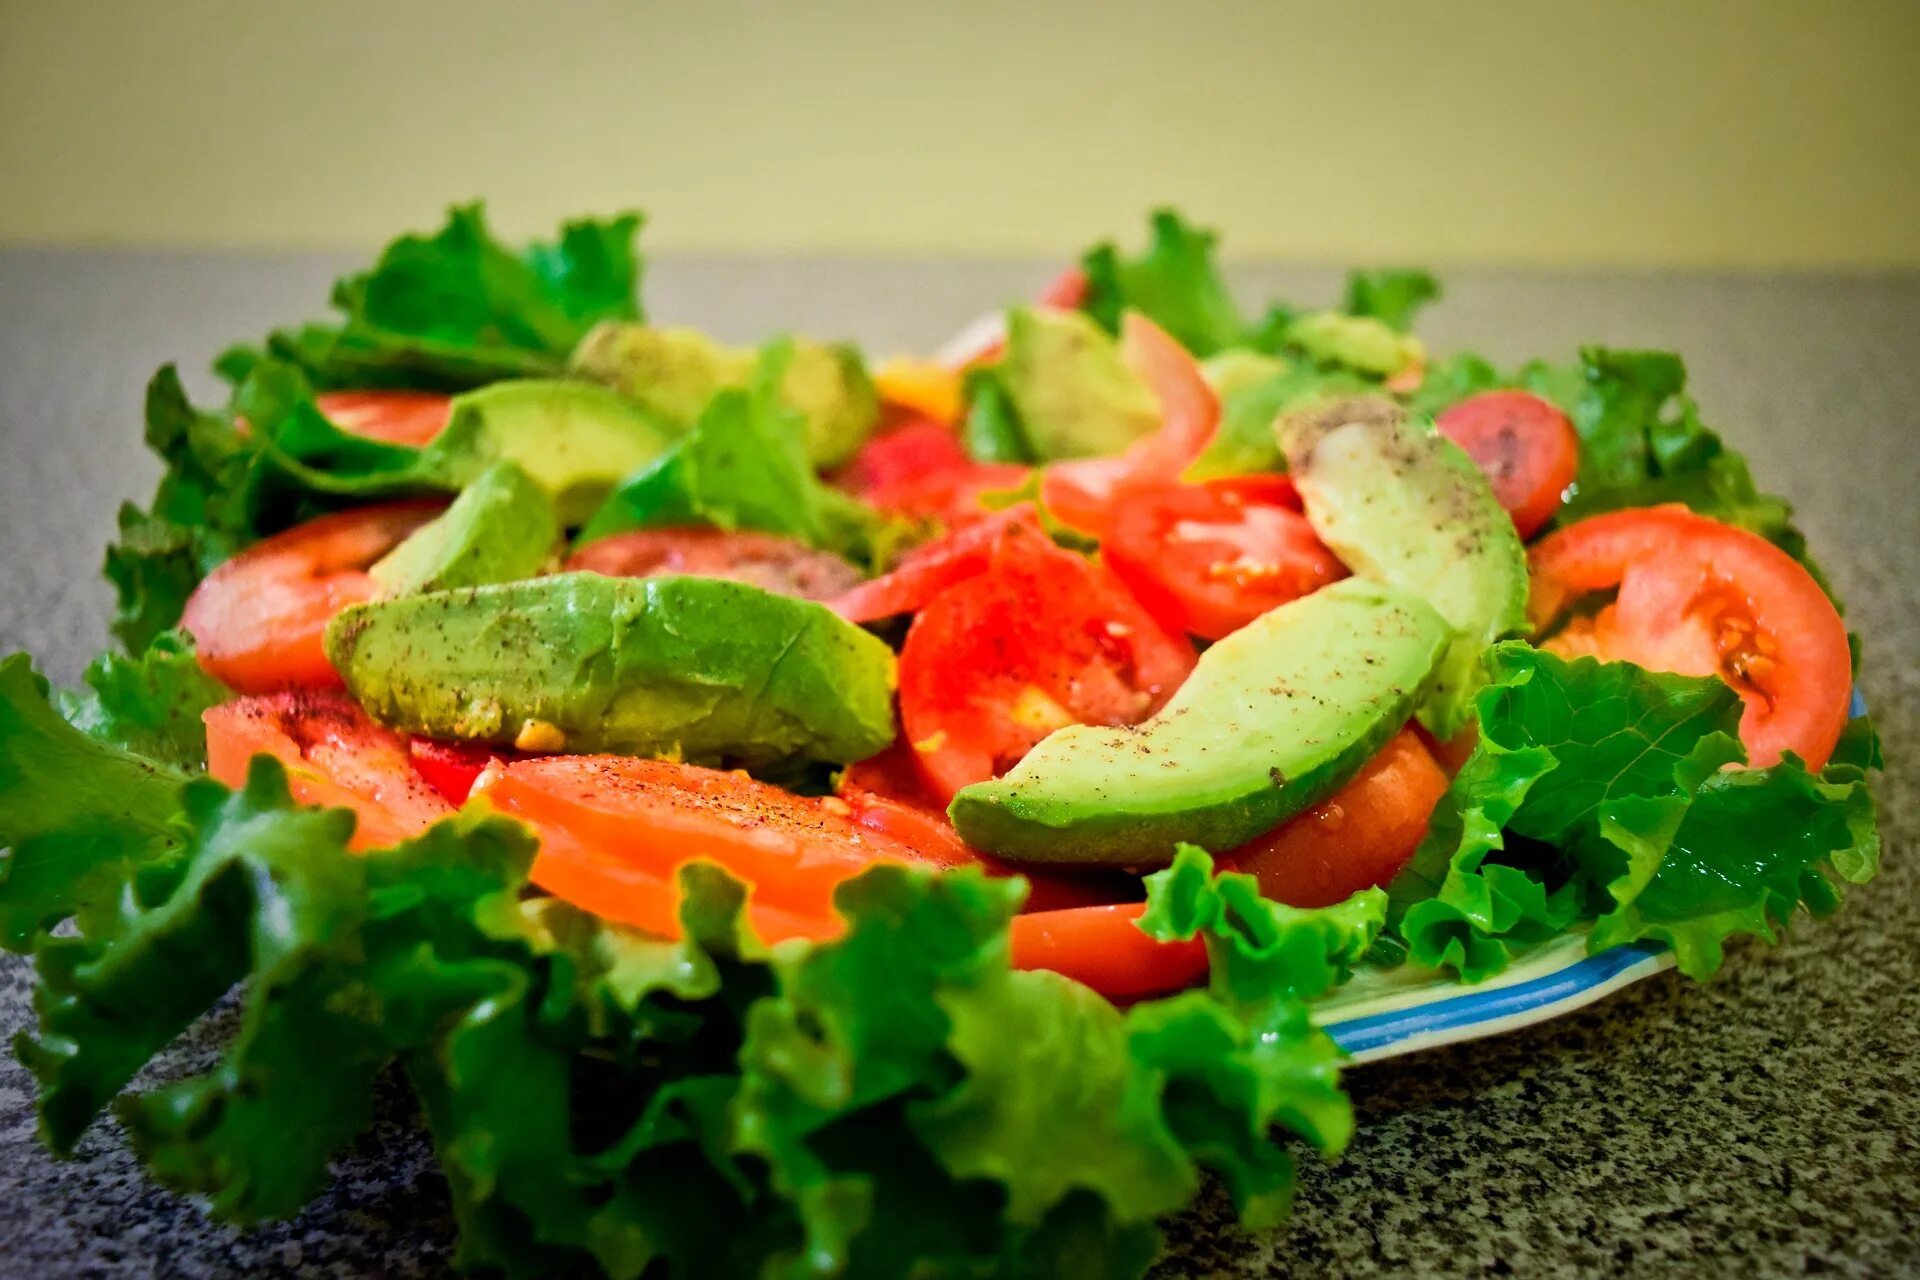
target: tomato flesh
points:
(1359, 837)
(785, 566)
(1040, 640)
(1207, 560)
(929, 569)
(655, 815)
(258, 620)
(1525, 445)
(1699, 597)
(335, 756)
(954, 496)
(916, 449)
(1101, 947)
(395, 417)
(451, 768)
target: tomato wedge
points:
(1699, 597)
(1101, 947)
(335, 755)
(1043, 638)
(396, 417)
(785, 566)
(257, 621)
(654, 815)
(1525, 445)
(931, 568)
(1358, 837)
(953, 495)
(1207, 560)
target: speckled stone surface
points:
(1765, 1124)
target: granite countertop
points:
(1767, 1123)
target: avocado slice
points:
(1074, 395)
(1366, 343)
(501, 528)
(1403, 505)
(675, 371)
(575, 440)
(1273, 719)
(682, 667)
(1243, 443)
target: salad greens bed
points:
(899, 1100)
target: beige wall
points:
(1712, 132)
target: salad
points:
(789, 816)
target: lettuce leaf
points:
(1597, 793)
(459, 309)
(1174, 282)
(150, 705)
(226, 485)
(1392, 296)
(744, 466)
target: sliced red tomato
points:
(1525, 445)
(655, 815)
(785, 566)
(912, 451)
(1699, 597)
(927, 570)
(1079, 493)
(1360, 836)
(397, 417)
(335, 755)
(1101, 947)
(257, 621)
(953, 495)
(1066, 290)
(451, 768)
(1042, 639)
(1207, 560)
(1189, 410)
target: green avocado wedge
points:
(500, 529)
(1403, 505)
(575, 440)
(678, 667)
(1273, 719)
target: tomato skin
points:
(1189, 410)
(451, 768)
(1525, 445)
(1359, 837)
(1102, 948)
(953, 495)
(931, 568)
(1065, 291)
(258, 620)
(395, 417)
(785, 566)
(335, 755)
(916, 449)
(1700, 597)
(1207, 561)
(1043, 638)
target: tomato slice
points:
(953, 495)
(657, 814)
(1360, 836)
(1102, 948)
(1207, 560)
(916, 449)
(396, 417)
(451, 768)
(1525, 445)
(1042, 639)
(258, 620)
(1189, 410)
(335, 756)
(1066, 290)
(931, 568)
(785, 566)
(1699, 597)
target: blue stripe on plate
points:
(1359, 1035)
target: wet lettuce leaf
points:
(1598, 793)
(459, 308)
